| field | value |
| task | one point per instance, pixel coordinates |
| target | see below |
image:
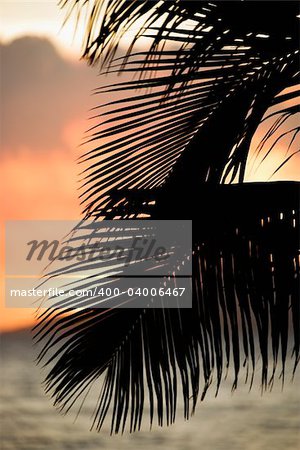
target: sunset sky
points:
(45, 98)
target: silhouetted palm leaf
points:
(165, 152)
(230, 71)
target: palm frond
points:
(179, 130)
(245, 309)
(198, 75)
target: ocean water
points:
(243, 420)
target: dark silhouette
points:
(166, 151)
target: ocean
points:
(233, 421)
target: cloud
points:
(40, 93)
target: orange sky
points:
(38, 184)
(42, 184)
(36, 187)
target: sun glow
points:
(43, 19)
